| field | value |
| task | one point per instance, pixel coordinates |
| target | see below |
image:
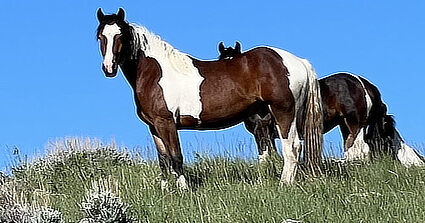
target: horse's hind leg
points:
(350, 128)
(355, 146)
(263, 130)
(291, 146)
(169, 152)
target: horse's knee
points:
(160, 146)
(349, 142)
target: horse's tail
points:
(382, 135)
(381, 126)
(313, 122)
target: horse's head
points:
(114, 36)
(263, 131)
(229, 52)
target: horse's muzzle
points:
(111, 71)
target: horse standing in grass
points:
(355, 105)
(175, 91)
(352, 103)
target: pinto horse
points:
(355, 105)
(175, 91)
(261, 125)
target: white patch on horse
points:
(180, 81)
(406, 154)
(109, 31)
(181, 183)
(298, 70)
(359, 150)
(263, 157)
(367, 96)
(291, 148)
(408, 157)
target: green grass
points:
(226, 190)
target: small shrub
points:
(104, 206)
(48, 215)
(14, 211)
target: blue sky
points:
(52, 85)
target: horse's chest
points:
(182, 92)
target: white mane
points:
(153, 46)
(180, 81)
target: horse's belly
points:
(230, 111)
(188, 122)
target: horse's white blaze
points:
(359, 150)
(180, 81)
(109, 32)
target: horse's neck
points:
(129, 69)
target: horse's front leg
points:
(170, 157)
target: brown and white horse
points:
(175, 91)
(355, 105)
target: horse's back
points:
(372, 90)
(262, 74)
(342, 94)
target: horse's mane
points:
(153, 46)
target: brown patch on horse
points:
(255, 79)
(344, 105)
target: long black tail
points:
(380, 125)
(380, 133)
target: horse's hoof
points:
(286, 180)
(181, 183)
(164, 185)
(263, 157)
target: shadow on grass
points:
(219, 170)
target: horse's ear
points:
(121, 14)
(221, 47)
(100, 15)
(238, 47)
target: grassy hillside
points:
(85, 180)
